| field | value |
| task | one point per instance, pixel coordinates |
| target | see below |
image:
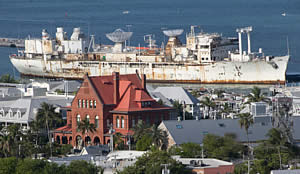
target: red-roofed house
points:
(120, 100)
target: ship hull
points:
(224, 72)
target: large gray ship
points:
(205, 58)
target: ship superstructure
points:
(205, 58)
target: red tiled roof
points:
(130, 90)
(105, 87)
(64, 129)
(131, 98)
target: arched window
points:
(79, 103)
(11, 114)
(122, 122)
(88, 118)
(95, 103)
(78, 120)
(118, 122)
(91, 103)
(83, 103)
(2, 113)
(19, 114)
(97, 121)
(107, 123)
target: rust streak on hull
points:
(177, 81)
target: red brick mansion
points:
(117, 100)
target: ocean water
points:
(20, 18)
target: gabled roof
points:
(130, 91)
(104, 85)
(181, 94)
(131, 99)
(195, 130)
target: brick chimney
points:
(144, 81)
(116, 87)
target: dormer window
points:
(19, 114)
(11, 114)
(146, 104)
(2, 113)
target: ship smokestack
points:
(116, 81)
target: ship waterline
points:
(223, 72)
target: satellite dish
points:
(173, 33)
(119, 36)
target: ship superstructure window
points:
(122, 122)
(95, 103)
(79, 103)
(97, 121)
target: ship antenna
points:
(287, 45)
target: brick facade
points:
(120, 100)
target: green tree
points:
(278, 141)
(256, 95)
(158, 136)
(29, 166)
(187, 150)
(82, 167)
(119, 141)
(8, 165)
(48, 119)
(85, 127)
(7, 78)
(150, 163)
(144, 143)
(245, 121)
(210, 104)
(140, 130)
(224, 148)
(240, 168)
(5, 144)
(178, 107)
(219, 93)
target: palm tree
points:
(178, 107)
(219, 93)
(140, 130)
(5, 144)
(85, 127)
(119, 141)
(47, 118)
(209, 103)
(245, 121)
(158, 136)
(277, 140)
(256, 95)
